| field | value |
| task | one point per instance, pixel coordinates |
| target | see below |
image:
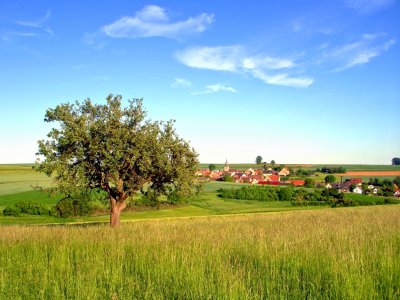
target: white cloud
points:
(211, 58)
(234, 59)
(153, 21)
(181, 82)
(283, 79)
(266, 62)
(215, 88)
(361, 51)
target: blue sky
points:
(293, 81)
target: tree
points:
(117, 150)
(258, 160)
(272, 164)
(330, 179)
(211, 167)
(309, 182)
(396, 161)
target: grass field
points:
(209, 248)
(20, 178)
(348, 167)
(348, 253)
(16, 185)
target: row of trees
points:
(297, 196)
(302, 197)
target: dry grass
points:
(343, 253)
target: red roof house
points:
(297, 182)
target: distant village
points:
(270, 176)
(253, 176)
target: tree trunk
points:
(116, 208)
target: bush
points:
(285, 194)
(309, 182)
(11, 211)
(174, 198)
(227, 178)
(32, 208)
(70, 207)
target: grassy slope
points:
(20, 178)
(347, 253)
(207, 204)
(14, 187)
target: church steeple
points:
(226, 167)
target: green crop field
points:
(347, 253)
(20, 178)
(348, 167)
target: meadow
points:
(20, 178)
(209, 248)
(345, 253)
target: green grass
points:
(43, 197)
(20, 178)
(348, 167)
(345, 253)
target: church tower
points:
(226, 167)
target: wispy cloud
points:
(181, 82)
(360, 51)
(212, 58)
(368, 6)
(215, 88)
(153, 21)
(283, 79)
(39, 23)
(28, 28)
(235, 59)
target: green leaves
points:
(116, 149)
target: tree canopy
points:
(258, 159)
(115, 149)
(330, 179)
(211, 167)
(396, 161)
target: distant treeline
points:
(298, 197)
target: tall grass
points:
(350, 253)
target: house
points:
(356, 181)
(270, 171)
(358, 190)
(297, 182)
(272, 177)
(284, 172)
(263, 182)
(215, 175)
(250, 172)
(203, 173)
(254, 179)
